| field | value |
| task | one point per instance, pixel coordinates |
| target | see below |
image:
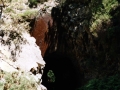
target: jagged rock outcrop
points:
(20, 58)
(19, 53)
(40, 28)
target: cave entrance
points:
(65, 74)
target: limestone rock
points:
(20, 55)
(18, 50)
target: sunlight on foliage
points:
(101, 13)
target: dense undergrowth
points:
(106, 83)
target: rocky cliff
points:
(83, 39)
(21, 63)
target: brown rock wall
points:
(39, 31)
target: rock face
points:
(89, 40)
(21, 54)
(18, 50)
(47, 37)
(40, 29)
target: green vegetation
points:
(94, 44)
(33, 3)
(9, 10)
(106, 83)
(101, 13)
(28, 14)
(51, 76)
(14, 81)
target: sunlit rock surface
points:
(43, 22)
(18, 50)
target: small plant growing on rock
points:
(29, 14)
(33, 3)
(8, 10)
(51, 76)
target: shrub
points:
(106, 83)
(29, 14)
(101, 13)
(33, 3)
(51, 76)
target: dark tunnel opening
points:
(66, 77)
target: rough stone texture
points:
(92, 55)
(50, 43)
(21, 56)
(18, 50)
(40, 29)
(42, 23)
